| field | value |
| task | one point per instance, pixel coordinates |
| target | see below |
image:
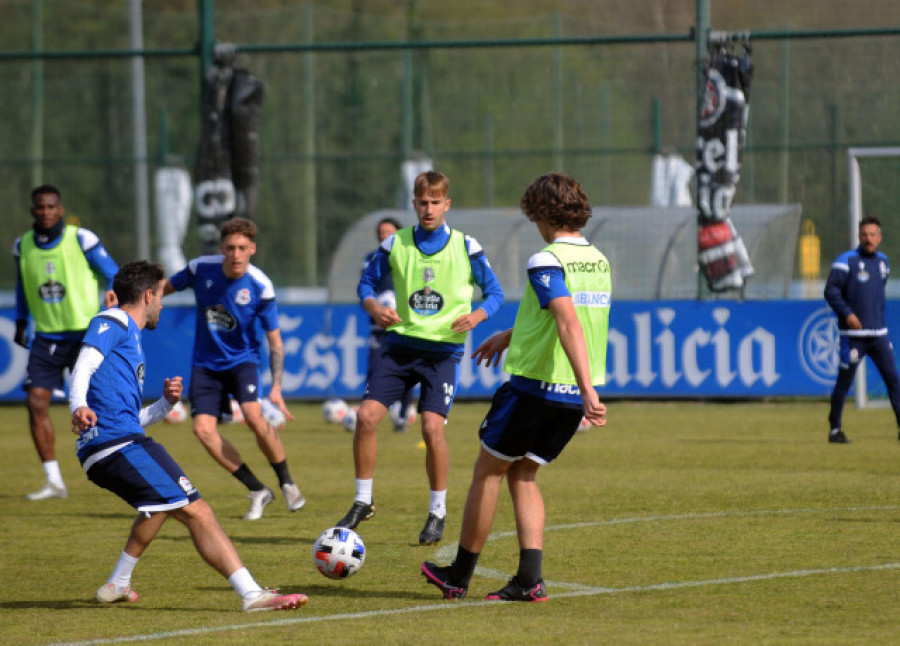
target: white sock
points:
(51, 469)
(244, 583)
(364, 490)
(121, 574)
(438, 503)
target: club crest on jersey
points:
(218, 318)
(428, 274)
(52, 291)
(242, 297)
(426, 301)
(140, 374)
(186, 485)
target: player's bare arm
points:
(491, 349)
(571, 336)
(469, 321)
(276, 365)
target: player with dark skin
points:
(47, 212)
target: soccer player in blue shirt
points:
(59, 270)
(116, 454)
(855, 290)
(434, 269)
(556, 361)
(385, 228)
(233, 296)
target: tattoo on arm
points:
(276, 361)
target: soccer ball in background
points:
(349, 421)
(339, 553)
(394, 411)
(387, 298)
(334, 409)
(232, 413)
(272, 413)
(178, 414)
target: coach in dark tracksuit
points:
(855, 291)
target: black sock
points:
(463, 567)
(530, 566)
(245, 475)
(281, 470)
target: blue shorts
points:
(209, 389)
(395, 371)
(523, 426)
(48, 360)
(144, 475)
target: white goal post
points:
(855, 186)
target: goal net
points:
(874, 189)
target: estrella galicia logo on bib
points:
(819, 342)
(52, 291)
(426, 302)
(218, 318)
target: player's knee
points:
(206, 433)
(368, 417)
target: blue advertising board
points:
(657, 349)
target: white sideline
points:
(576, 589)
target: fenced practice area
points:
(491, 96)
(709, 510)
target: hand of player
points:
(853, 322)
(385, 317)
(82, 419)
(492, 348)
(172, 390)
(469, 321)
(276, 398)
(21, 336)
(594, 409)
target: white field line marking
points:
(448, 552)
(577, 590)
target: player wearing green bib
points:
(556, 359)
(60, 269)
(434, 269)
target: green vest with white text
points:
(535, 350)
(432, 291)
(60, 287)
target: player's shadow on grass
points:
(335, 589)
(63, 604)
(274, 540)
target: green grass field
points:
(678, 523)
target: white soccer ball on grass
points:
(387, 298)
(334, 409)
(178, 414)
(339, 553)
(272, 413)
(394, 411)
(349, 421)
